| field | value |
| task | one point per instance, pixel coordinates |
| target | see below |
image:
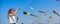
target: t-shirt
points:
(12, 19)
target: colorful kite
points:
(27, 13)
(55, 12)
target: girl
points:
(11, 16)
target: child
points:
(11, 16)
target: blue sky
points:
(46, 5)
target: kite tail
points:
(33, 15)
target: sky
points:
(24, 5)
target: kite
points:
(22, 23)
(55, 12)
(50, 17)
(27, 13)
(42, 11)
(47, 21)
(31, 8)
(58, 0)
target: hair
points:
(10, 10)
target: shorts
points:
(12, 23)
